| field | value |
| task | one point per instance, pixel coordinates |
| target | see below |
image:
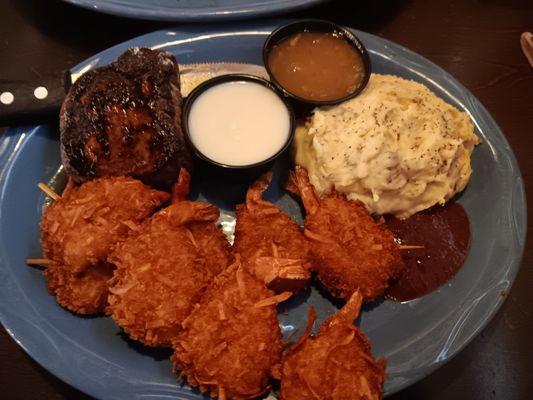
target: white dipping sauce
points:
(238, 123)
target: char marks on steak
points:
(125, 119)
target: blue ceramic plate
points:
(416, 337)
(194, 10)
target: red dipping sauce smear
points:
(445, 234)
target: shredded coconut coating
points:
(352, 250)
(270, 243)
(337, 364)
(163, 269)
(231, 341)
(83, 292)
(81, 228)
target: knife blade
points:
(22, 103)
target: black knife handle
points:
(23, 102)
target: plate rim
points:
(519, 199)
(113, 7)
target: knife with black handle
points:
(23, 103)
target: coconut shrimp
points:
(271, 244)
(336, 364)
(352, 251)
(231, 343)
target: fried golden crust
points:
(351, 249)
(362, 253)
(80, 229)
(83, 292)
(163, 269)
(271, 244)
(230, 343)
(212, 246)
(336, 364)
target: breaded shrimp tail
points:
(336, 364)
(182, 211)
(186, 212)
(299, 184)
(180, 189)
(254, 195)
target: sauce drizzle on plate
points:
(445, 234)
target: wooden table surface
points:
(477, 41)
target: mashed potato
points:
(397, 147)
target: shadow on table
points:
(368, 16)
(516, 4)
(92, 31)
(80, 28)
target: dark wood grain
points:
(476, 41)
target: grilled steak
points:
(125, 119)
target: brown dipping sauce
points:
(445, 234)
(317, 66)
